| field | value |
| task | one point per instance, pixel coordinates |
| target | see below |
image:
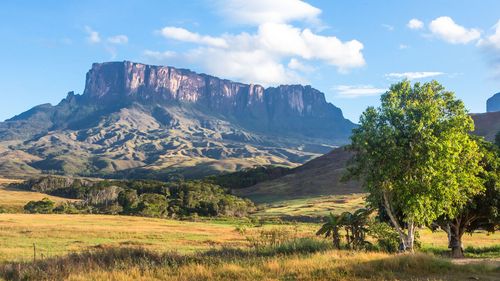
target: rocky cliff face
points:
(493, 103)
(284, 108)
(133, 115)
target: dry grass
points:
(315, 206)
(13, 200)
(7, 181)
(62, 234)
(329, 265)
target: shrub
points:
(66, 208)
(44, 206)
(387, 237)
(128, 199)
(152, 205)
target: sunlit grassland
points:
(314, 206)
(13, 200)
(329, 265)
(61, 234)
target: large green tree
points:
(415, 157)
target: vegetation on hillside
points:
(248, 177)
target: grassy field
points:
(13, 200)
(309, 260)
(314, 206)
(62, 234)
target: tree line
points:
(146, 198)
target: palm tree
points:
(331, 228)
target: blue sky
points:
(350, 50)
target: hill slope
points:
(134, 118)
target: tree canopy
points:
(415, 156)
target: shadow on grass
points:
(394, 267)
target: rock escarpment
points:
(136, 116)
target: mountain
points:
(487, 124)
(134, 118)
(493, 103)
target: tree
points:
(415, 157)
(331, 228)
(152, 205)
(44, 206)
(128, 199)
(483, 210)
(355, 225)
(497, 139)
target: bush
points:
(128, 199)
(66, 208)
(152, 205)
(387, 237)
(44, 206)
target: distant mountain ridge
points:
(134, 115)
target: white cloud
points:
(256, 12)
(415, 24)
(356, 91)
(493, 40)
(413, 75)
(181, 34)
(160, 56)
(446, 29)
(296, 64)
(271, 55)
(388, 27)
(92, 35)
(490, 46)
(118, 39)
(403, 46)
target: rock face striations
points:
(134, 117)
(493, 103)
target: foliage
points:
(44, 206)
(482, 212)
(387, 238)
(331, 228)
(152, 205)
(354, 224)
(147, 197)
(415, 157)
(66, 208)
(128, 199)
(248, 177)
(204, 199)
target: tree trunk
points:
(406, 240)
(410, 238)
(336, 238)
(455, 242)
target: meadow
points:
(105, 247)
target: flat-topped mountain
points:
(136, 118)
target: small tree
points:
(415, 157)
(44, 206)
(331, 228)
